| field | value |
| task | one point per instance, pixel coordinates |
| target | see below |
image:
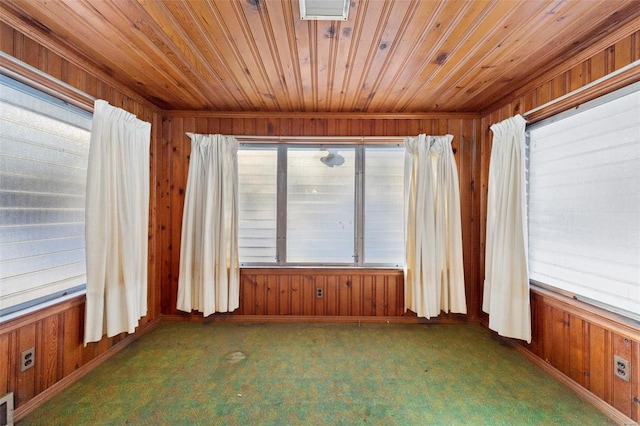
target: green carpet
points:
(316, 374)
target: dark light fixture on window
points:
(324, 10)
(332, 158)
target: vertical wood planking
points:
(6, 354)
(175, 163)
(7, 39)
(536, 328)
(164, 227)
(73, 340)
(47, 352)
(576, 349)
(25, 385)
(284, 295)
(379, 290)
(635, 379)
(331, 294)
(271, 299)
(345, 292)
(296, 295)
(597, 361)
(622, 397)
(343, 286)
(180, 150)
(567, 341)
(56, 332)
(577, 345)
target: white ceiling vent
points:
(325, 10)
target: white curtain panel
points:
(434, 272)
(506, 284)
(209, 278)
(117, 222)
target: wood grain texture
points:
(57, 332)
(554, 83)
(352, 78)
(175, 150)
(346, 292)
(389, 56)
(574, 341)
(581, 341)
(6, 354)
(635, 379)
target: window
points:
(43, 160)
(321, 205)
(584, 202)
(384, 205)
(257, 176)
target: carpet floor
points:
(316, 374)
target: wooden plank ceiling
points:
(390, 56)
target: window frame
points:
(624, 315)
(48, 96)
(359, 255)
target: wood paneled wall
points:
(175, 148)
(345, 292)
(57, 333)
(576, 342)
(580, 342)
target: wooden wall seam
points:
(60, 60)
(56, 332)
(574, 341)
(175, 153)
(628, 33)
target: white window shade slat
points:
(320, 206)
(384, 206)
(584, 204)
(257, 175)
(44, 147)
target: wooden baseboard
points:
(311, 319)
(583, 393)
(53, 390)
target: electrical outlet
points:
(6, 410)
(622, 368)
(319, 292)
(27, 359)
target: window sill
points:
(338, 270)
(35, 312)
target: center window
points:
(321, 205)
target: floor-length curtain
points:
(209, 278)
(434, 274)
(117, 222)
(506, 284)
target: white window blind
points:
(384, 205)
(320, 205)
(43, 160)
(584, 203)
(257, 175)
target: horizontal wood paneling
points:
(57, 332)
(175, 148)
(578, 343)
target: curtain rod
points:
(89, 100)
(318, 139)
(583, 88)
